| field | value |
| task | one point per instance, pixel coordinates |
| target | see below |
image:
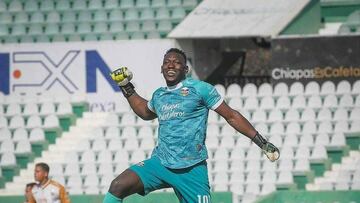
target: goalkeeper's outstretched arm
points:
(242, 125)
(122, 77)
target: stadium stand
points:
(305, 131)
(66, 20)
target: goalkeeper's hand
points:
(122, 76)
(271, 152)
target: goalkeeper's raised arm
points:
(122, 77)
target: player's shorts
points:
(191, 185)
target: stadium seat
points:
(287, 152)
(23, 147)
(251, 189)
(164, 26)
(253, 177)
(111, 4)
(13, 109)
(330, 101)
(37, 17)
(281, 89)
(338, 140)
(267, 103)
(17, 121)
(319, 153)
(68, 28)
(299, 102)
(72, 169)
(174, 3)
(236, 103)
(296, 88)
(68, 16)
(142, 4)
(341, 114)
(324, 115)
(88, 156)
(233, 91)
(95, 4)
(346, 101)
(291, 140)
(18, 29)
(116, 27)
(84, 16)
(293, 128)
(355, 114)
(251, 104)
(8, 159)
(283, 103)
(63, 5)
(88, 169)
(74, 181)
(56, 169)
(47, 108)
(35, 29)
(4, 30)
(48, 5)
(312, 88)
(308, 115)
(99, 144)
(276, 140)
(21, 17)
(52, 29)
(356, 88)
(53, 17)
(325, 127)
(262, 128)
(306, 140)
(138, 35)
(268, 188)
(343, 87)
(31, 6)
(322, 139)
(178, 14)
(285, 177)
(100, 16)
(265, 89)
(292, 115)
(34, 121)
(327, 88)
(5, 134)
(259, 116)
(189, 3)
(302, 165)
(286, 165)
(37, 135)
(315, 102)
(15, 6)
(249, 90)
(7, 146)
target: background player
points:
(179, 159)
(46, 190)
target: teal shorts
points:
(191, 185)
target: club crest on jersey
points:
(184, 91)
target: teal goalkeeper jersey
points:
(183, 113)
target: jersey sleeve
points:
(63, 195)
(150, 104)
(210, 95)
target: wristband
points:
(259, 140)
(128, 89)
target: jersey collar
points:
(175, 87)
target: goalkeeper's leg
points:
(127, 183)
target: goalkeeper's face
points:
(174, 68)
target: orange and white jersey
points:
(50, 192)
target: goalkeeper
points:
(179, 159)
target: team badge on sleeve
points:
(184, 91)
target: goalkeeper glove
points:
(271, 152)
(122, 77)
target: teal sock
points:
(110, 198)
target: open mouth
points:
(171, 73)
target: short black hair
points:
(179, 51)
(43, 166)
